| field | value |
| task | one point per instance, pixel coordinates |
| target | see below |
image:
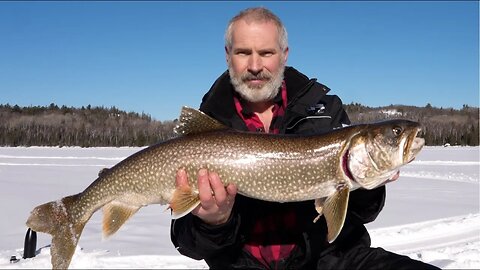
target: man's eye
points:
(241, 53)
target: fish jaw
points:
(413, 144)
(412, 149)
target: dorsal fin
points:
(193, 121)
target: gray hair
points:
(258, 14)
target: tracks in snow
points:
(428, 235)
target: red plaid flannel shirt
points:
(269, 228)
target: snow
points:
(431, 213)
(392, 112)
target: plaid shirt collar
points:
(253, 121)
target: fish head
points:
(376, 152)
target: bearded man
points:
(259, 93)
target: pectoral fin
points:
(319, 207)
(335, 210)
(115, 214)
(184, 200)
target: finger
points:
(231, 193)
(204, 189)
(218, 188)
(231, 190)
(181, 178)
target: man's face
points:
(256, 61)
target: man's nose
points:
(255, 65)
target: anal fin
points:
(115, 214)
(335, 210)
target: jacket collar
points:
(218, 101)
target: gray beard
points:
(267, 92)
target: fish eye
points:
(397, 131)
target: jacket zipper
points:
(309, 117)
(309, 84)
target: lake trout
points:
(279, 168)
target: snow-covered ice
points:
(431, 213)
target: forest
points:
(441, 126)
(100, 126)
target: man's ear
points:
(227, 55)
(285, 55)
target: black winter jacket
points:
(309, 110)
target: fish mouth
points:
(394, 177)
(413, 146)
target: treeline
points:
(87, 127)
(100, 126)
(441, 126)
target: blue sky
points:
(155, 57)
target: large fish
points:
(279, 168)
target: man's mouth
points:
(256, 83)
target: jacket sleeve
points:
(338, 113)
(195, 239)
(364, 205)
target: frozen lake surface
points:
(431, 213)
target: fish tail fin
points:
(55, 218)
(184, 200)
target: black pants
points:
(369, 258)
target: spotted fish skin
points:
(268, 167)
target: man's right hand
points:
(216, 200)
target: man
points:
(259, 93)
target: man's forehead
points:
(258, 32)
